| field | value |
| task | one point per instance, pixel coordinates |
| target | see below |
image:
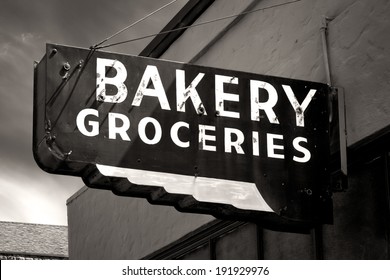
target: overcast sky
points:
(28, 194)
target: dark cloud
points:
(26, 193)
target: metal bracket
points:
(324, 32)
(338, 123)
(51, 144)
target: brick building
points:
(285, 41)
(22, 241)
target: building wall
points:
(286, 41)
(282, 41)
(360, 59)
(105, 226)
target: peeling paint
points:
(200, 141)
(138, 97)
(203, 137)
(201, 110)
(151, 74)
(266, 106)
(221, 96)
(101, 95)
(299, 108)
(117, 81)
(183, 93)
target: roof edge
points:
(34, 224)
(185, 17)
(76, 195)
(33, 254)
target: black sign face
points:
(207, 140)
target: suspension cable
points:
(131, 25)
(194, 25)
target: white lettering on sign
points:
(306, 153)
(151, 75)
(142, 131)
(229, 143)
(114, 129)
(271, 146)
(256, 143)
(119, 124)
(203, 137)
(183, 93)
(299, 108)
(80, 122)
(221, 96)
(175, 134)
(103, 67)
(263, 97)
(267, 106)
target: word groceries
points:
(151, 85)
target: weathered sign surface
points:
(207, 140)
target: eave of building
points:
(185, 17)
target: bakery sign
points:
(204, 140)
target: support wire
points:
(191, 26)
(131, 25)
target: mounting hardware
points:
(201, 110)
(66, 66)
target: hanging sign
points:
(202, 139)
